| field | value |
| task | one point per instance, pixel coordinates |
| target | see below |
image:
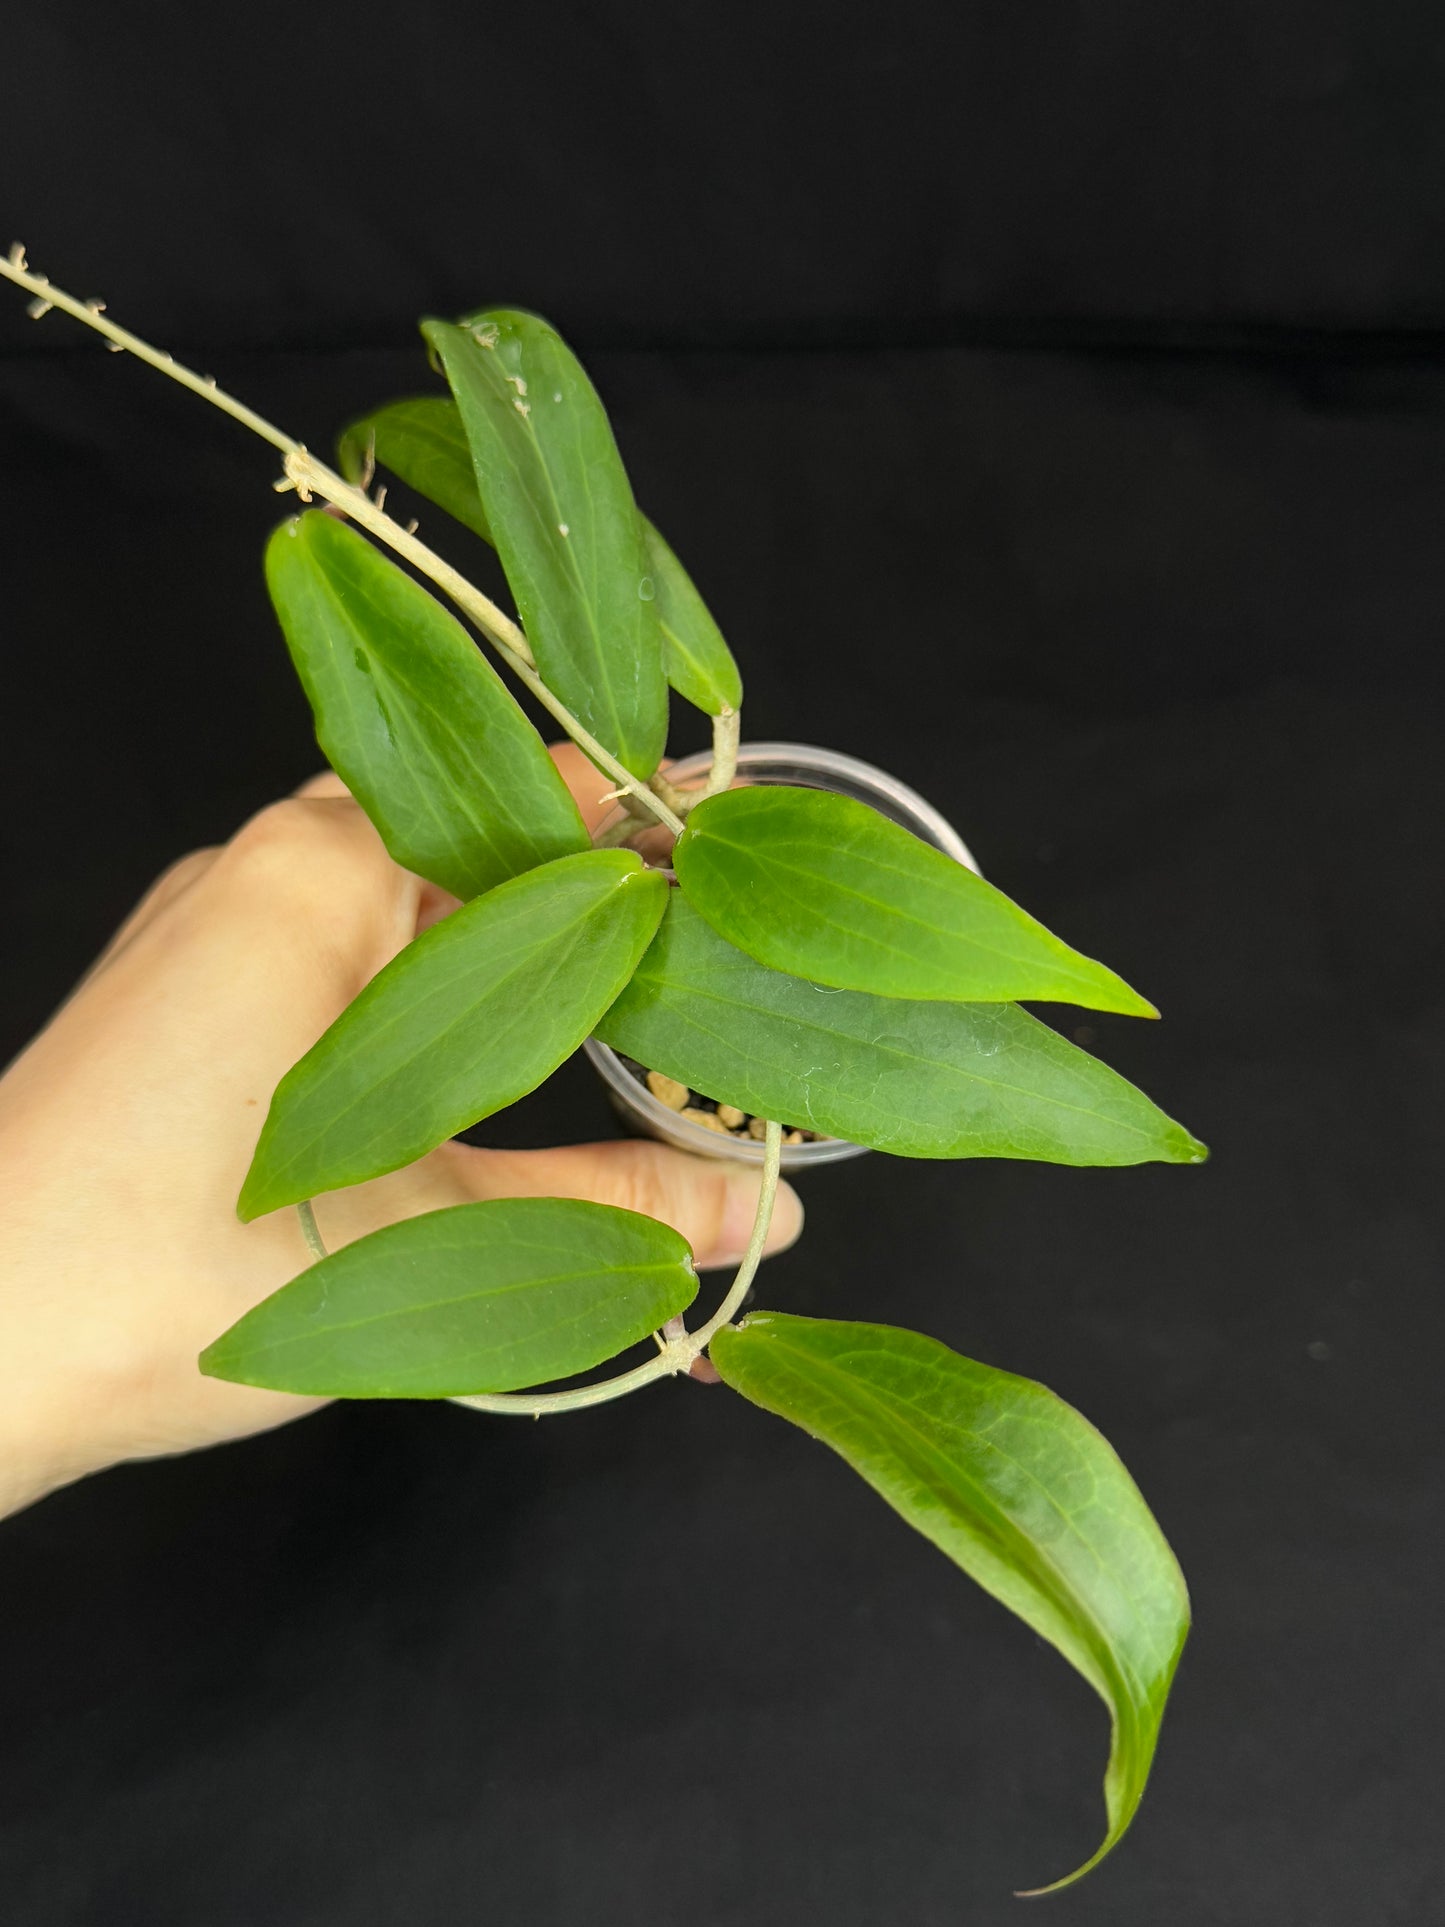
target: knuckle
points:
(303, 840)
(318, 863)
(184, 870)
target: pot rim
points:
(850, 776)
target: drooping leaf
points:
(929, 1080)
(479, 1298)
(1012, 1484)
(698, 662)
(823, 886)
(471, 1016)
(413, 717)
(559, 506)
(422, 440)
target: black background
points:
(1051, 402)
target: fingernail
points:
(740, 1212)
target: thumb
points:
(711, 1203)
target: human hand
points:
(128, 1124)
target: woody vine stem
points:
(309, 477)
(678, 1349)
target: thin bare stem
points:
(726, 731)
(753, 1257)
(310, 1230)
(308, 476)
(676, 1351)
(676, 1346)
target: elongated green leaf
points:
(470, 1017)
(413, 716)
(1012, 1484)
(479, 1298)
(422, 440)
(698, 663)
(926, 1080)
(560, 509)
(824, 887)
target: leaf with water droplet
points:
(422, 440)
(596, 642)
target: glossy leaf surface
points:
(697, 660)
(413, 717)
(826, 888)
(479, 1298)
(559, 506)
(930, 1080)
(1012, 1484)
(422, 440)
(471, 1016)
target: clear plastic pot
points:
(802, 767)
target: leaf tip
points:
(1124, 1000)
(212, 1361)
(1106, 1846)
(253, 1202)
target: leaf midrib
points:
(344, 1053)
(933, 1455)
(906, 1057)
(768, 856)
(603, 1272)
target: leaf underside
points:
(1013, 1484)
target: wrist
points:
(40, 1450)
(52, 1412)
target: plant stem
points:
(676, 1350)
(676, 1354)
(753, 1256)
(309, 477)
(726, 730)
(310, 1230)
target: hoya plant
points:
(693, 935)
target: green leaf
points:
(423, 441)
(1012, 1484)
(470, 1017)
(918, 1079)
(825, 887)
(560, 509)
(479, 1298)
(413, 717)
(698, 662)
